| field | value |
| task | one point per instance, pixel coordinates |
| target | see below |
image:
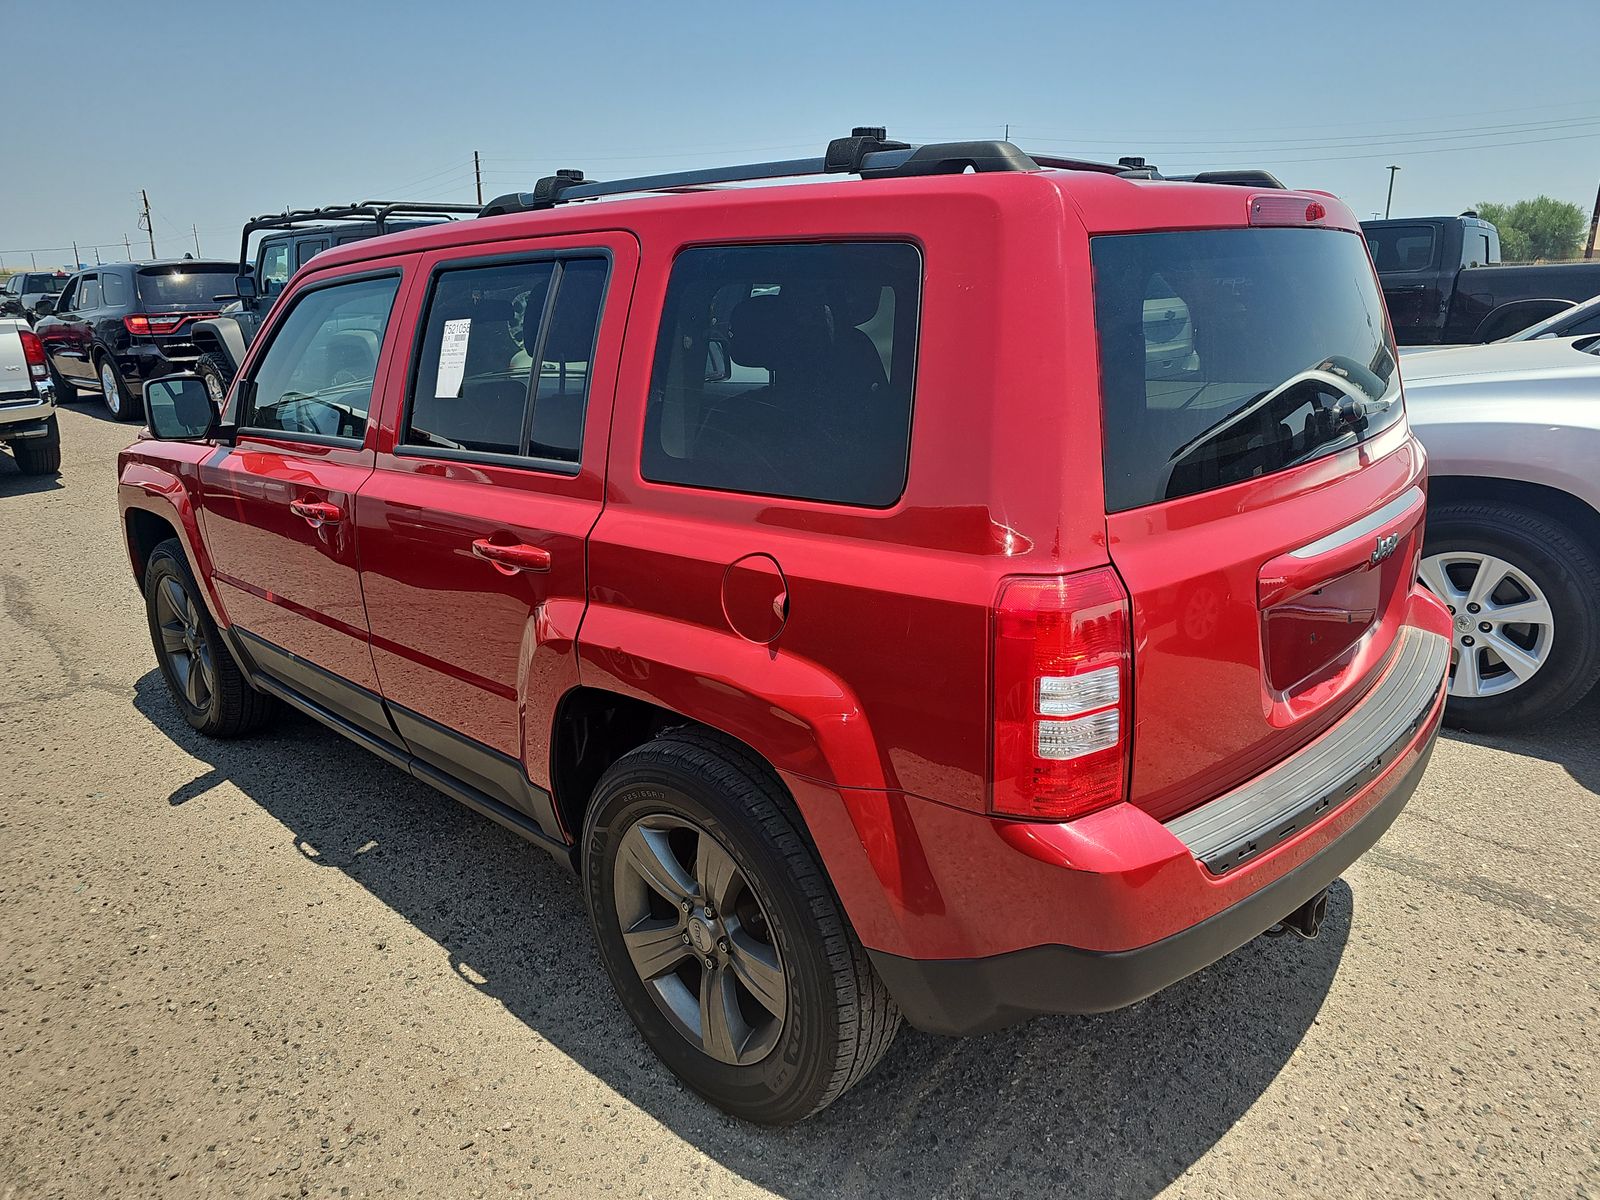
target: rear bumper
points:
(959, 997)
(977, 921)
(25, 417)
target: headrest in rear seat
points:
(777, 332)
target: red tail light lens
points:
(142, 324)
(32, 353)
(1062, 659)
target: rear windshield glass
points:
(195, 287)
(45, 283)
(1231, 353)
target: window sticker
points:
(452, 359)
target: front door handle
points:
(316, 512)
(511, 559)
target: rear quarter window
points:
(787, 370)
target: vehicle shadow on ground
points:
(1114, 1105)
(14, 483)
(1571, 741)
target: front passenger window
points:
(316, 377)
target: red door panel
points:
(473, 562)
(279, 504)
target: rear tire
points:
(206, 684)
(1564, 573)
(40, 456)
(120, 402)
(836, 1020)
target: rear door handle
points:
(317, 512)
(510, 559)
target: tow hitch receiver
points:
(1304, 921)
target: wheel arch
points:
(1551, 502)
(156, 506)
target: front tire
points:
(206, 684)
(722, 935)
(122, 403)
(1524, 592)
(40, 456)
(217, 373)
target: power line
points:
(1349, 142)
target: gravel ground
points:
(282, 968)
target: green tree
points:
(1539, 228)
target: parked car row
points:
(679, 534)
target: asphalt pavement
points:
(280, 967)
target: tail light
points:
(142, 324)
(1286, 210)
(33, 354)
(1062, 657)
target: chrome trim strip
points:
(1356, 529)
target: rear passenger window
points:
(89, 294)
(115, 289)
(787, 371)
(306, 251)
(503, 366)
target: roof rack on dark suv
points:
(293, 237)
(867, 152)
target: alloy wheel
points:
(109, 388)
(699, 938)
(184, 643)
(1503, 623)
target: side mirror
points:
(244, 286)
(180, 408)
(45, 307)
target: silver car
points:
(1512, 431)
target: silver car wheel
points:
(109, 388)
(1503, 622)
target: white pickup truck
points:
(27, 401)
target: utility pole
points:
(1390, 200)
(146, 223)
(33, 260)
(195, 230)
(75, 262)
(477, 174)
(127, 246)
(1594, 225)
(1008, 131)
(96, 250)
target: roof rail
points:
(376, 211)
(867, 152)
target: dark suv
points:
(118, 326)
(975, 586)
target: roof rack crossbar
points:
(376, 211)
(867, 152)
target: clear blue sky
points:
(223, 110)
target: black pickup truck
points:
(1445, 284)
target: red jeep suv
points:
(972, 586)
